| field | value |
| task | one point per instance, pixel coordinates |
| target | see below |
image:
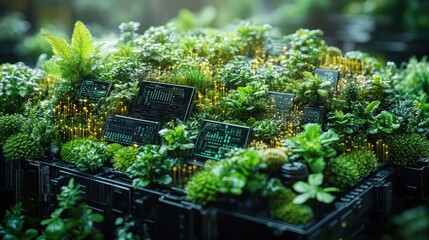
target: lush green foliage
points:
(71, 220)
(22, 146)
(313, 146)
(313, 189)
(111, 150)
(10, 125)
(18, 83)
(313, 91)
(13, 225)
(73, 59)
(406, 148)
(87, 154)
(152, 165)
(203, 187)
(67, 150)
(347, 169)
(124, 230)
(245, 102)
(124, 157)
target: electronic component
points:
(127, 130)
(93, 90)
(163, 102)
(282, 101)
(313, 115)
(216, 138)
(329, 76)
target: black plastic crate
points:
(411, 187)
(348, 218)
(167, 215)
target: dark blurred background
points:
(392, 30)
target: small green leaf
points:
(371, 107)
(301, 187)
(60, 47)
(302, 198)
(315, 179)
(324, 197)
(322, 92)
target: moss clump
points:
(365, 159)
(346, 170)
(293, 213)
(124, 158)
(274, 158)
(280, 198)
(67, 153)
(10, 125)
(22, 146)
(202, 188)
(112, 149)
(406, 148)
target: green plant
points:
(279, 198)
(9, 125)
(236, 73)
(240, 172)
(67, 150)
(348, 169)
(73, 60)
(303, 55)
(406, 148)
(90, 155)
(249, 101)
(122, 95)
(313, 146)
(251, 38)
(411, 224)
(203, 187)
(312, 189)
(266, 129)
(112, 149)
(22, 146)
(13, 225)
(124, 229)
(274, 158)
(293, 213)
(313, 91)
(177, 140)
(152, 165)
(71, 220)
(124, 158)
(193, 77)
(18, 83)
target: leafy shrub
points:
(18, 83)
(88, 154)
(10, 125)
(72, 220)
(266, 129)
(203, 187)
(124, 157)
(406, 148)
(22, 146)
(236, 73)
(249, 101)
(13, 225)
(112, 149)
(152, 165)
(67, 150)
(313, 146)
